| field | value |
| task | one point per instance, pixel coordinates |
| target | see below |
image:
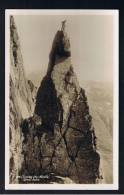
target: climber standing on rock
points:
(63, 25)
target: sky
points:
(91, 39)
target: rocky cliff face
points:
(59, 140)
(21, 104)
(100, 99)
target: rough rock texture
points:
(21, 103)
(33, 90)
(100, 100)
(60, 138)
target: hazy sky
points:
(91, 38)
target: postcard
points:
(61, 122)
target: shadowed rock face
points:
(47, 104)
(63, 143)
(60, 50)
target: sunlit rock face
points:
(59, 139)
(21, 102)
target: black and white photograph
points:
(61, 99)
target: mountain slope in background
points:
(100, 98)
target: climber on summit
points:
(63, 25)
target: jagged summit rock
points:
(59, 86)
(60, 50)
(65, 142)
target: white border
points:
(113, 186)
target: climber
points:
(63, 25)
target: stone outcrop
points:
(59, 139)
